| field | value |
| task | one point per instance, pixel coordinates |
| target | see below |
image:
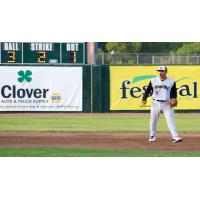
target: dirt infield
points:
(133, 141)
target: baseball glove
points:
(172, 102)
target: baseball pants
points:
(156, 108)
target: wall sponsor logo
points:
(24, 76)
(12, 91)
(40, 88)
(137, 92)
(128, 84)
(56, 98)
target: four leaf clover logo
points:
(24, 76)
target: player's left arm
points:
(173, 93)
(173, 96)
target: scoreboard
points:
(42, 53)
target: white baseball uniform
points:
(161, 91)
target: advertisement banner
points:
(40, 88)
(128, 83)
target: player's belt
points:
(159, 100)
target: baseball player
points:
(164, 93)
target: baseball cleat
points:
(177, 139)
(152, 139)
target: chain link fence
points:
(147, 59)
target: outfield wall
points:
(89, 88)
(51, 88)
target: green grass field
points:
(76, 152)
(187, 123)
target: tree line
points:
(181, 48)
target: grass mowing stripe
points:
(76, 152)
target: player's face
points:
(162, 74)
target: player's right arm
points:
(146, 93)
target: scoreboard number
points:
(41, 56)
(72, 56)
(11, 56)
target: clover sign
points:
(24, 76)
